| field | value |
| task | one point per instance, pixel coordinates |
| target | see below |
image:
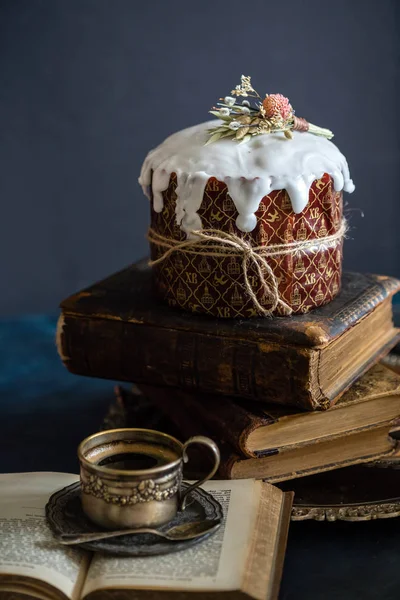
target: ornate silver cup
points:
(132, 477)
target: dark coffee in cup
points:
(134, 456)
(132, 477)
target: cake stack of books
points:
(242, 326)
(283, 397)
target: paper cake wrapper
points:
(216, 286)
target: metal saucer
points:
(65, 515)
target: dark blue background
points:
(87, 87)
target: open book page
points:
(217, 563)
(27, 547)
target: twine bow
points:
(216, 243)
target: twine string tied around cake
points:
(217, 243)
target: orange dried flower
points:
(276, 105)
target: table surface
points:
(46, 411)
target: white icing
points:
(251, 171)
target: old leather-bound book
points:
(255, 429)
(118, 329)
(355, 438)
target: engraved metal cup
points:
(118, 498)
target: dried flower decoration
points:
(271, 114)
(276, 105)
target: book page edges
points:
(331, 467)
(340, 425)
(382, 348)
(266, 555)
(32, 588)
(258, 467)
(353, 358)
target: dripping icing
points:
(251, 171)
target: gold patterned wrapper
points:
(215, 285)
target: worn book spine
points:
(110, 331)
(121, 351)
(166, 357)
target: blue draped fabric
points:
(45, 410)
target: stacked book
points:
(283, 397)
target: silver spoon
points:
(184, 531)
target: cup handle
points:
(199, 439)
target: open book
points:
(243, 559)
